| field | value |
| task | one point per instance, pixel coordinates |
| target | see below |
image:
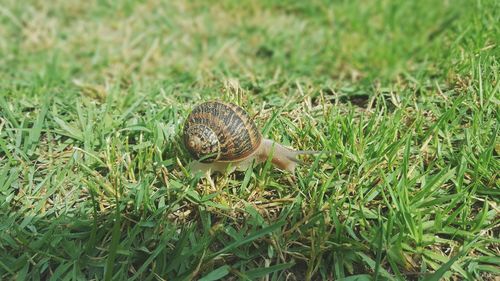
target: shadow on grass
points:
(129, 245)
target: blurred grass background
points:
(92, 99)
(208, 41)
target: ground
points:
(402, 97)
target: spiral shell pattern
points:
(219, 131)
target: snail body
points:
(222, 136)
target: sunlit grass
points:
(404, 93)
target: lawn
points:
(402, 96)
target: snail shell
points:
(218, 131)
(221, 135)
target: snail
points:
(222, 137)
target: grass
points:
(92, 178)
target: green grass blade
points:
(216, 274)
